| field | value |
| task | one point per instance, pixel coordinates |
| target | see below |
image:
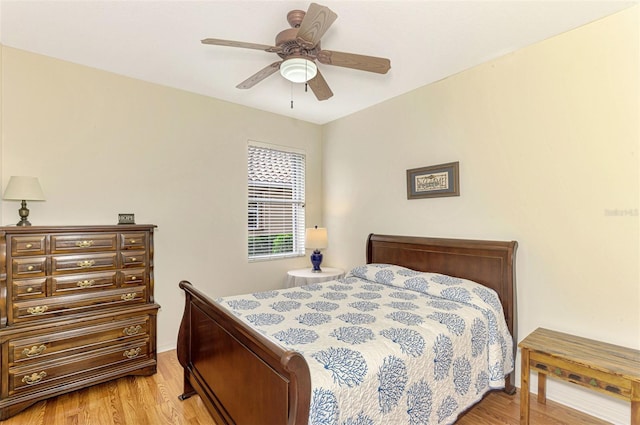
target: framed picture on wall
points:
(434, 181)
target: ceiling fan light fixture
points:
(298, 70)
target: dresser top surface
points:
(85, 228)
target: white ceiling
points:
(159, 41)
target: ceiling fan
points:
(299, 48)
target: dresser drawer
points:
(28, 245)
(55, 306)
(133, 259)
(46, 374)
(133, 277)
(29, 267)
(70, 342)
(83, 242)
(29, 288)
(133, 241)
(64, 285)
(80, 263)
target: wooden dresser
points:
(76, 309)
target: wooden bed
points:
(243, 378)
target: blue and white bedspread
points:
(388, 345)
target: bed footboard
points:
(222, 357)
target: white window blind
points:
(276, 202)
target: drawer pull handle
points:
(86, 263)
(84, 244)
(132, 354)
(29, 289)
(132, 241)
(34, 351)
(612, 389)
(37, 310)
(86, 283)
(34, 378)
(132, 330)
(133, 259)
(133, 278)
(29, 245)
(575, 377)
(30, 268)
(128, 297)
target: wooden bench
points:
(606, 368)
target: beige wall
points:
(547, 139)
(103, 144)
(1, 109)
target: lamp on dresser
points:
(316, 239)
(23, 188)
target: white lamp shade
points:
(298, 70)
(316, 238)
(24, 188)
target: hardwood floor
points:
(153, 400)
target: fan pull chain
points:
(291, 95)
(306, 77)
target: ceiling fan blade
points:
(320, 87)
(231, 43)
(316, 22)
(259, 76)
(351, 60)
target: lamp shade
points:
(316, 238)
(24, 188)
(298, 70)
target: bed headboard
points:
(490, 263)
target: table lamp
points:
(316, 239)
(23, 188)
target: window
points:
(275, 212)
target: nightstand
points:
(606, 368)
(301, 277)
